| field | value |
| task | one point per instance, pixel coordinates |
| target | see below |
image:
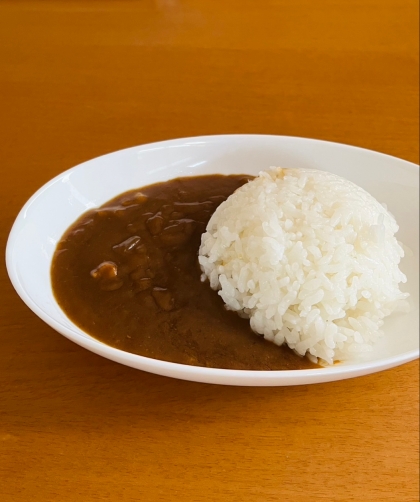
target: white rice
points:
(310, 258)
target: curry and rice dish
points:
(193, 269)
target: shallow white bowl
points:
(51, 210)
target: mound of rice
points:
(310, 258)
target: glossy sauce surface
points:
(127, 273)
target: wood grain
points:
(80, 79)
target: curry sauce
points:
(127, 273)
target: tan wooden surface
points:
(83, 78)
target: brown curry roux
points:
(127, 273)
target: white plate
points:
(51, 210)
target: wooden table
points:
(80, 79)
